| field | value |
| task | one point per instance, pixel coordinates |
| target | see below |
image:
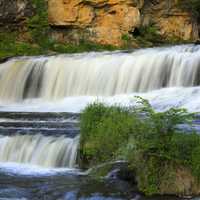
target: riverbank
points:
(162, 159)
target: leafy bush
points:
(148, 35)
(103, 130)
(149, 140)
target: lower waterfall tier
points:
(45, 151)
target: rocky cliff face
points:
(14, 11)
(171, 20)
(108, 21)
(102, 21)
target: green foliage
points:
(40, 41)
(38, 24)
(149, 140)
(9, 46)
(81, 47)
(149, 35)
(126, 37)
(95, 121)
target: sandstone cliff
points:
(170, 19)
(107, 21)
(103, 21)
(112, 22)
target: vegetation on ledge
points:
(164, 158)
(35, 37)
(11, 46)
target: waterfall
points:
(167, 77)
(99, 74)
(45, 151)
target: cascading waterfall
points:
(166, 76)
(99, 74)
(39, 150)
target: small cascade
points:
(45, 151)
(99, 74)
(47, 140)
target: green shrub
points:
(9, 46)
(95, 121)
(150, 141)
(148, 35)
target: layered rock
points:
(14, 11)
(170, 19)
(105, 21)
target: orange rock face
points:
(180, 26)
(106, 20)
(171, 20)
(109, 21)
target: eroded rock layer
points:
(105, 21)
(109, 21)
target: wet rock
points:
(5, 59)
(197, 42)
(113, 170)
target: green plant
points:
(9, 46)
(126, 37)
(149, 140)
(38, 24)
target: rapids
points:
(39, 140)
(168, 76)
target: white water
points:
(35, 170)
(99, 74)
(160, 99)
(167, 77)
(44, 151)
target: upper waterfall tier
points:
(99, 74)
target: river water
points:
(40, 98)
(38, 154)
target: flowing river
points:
(40, 101)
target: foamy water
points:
(162, 99)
